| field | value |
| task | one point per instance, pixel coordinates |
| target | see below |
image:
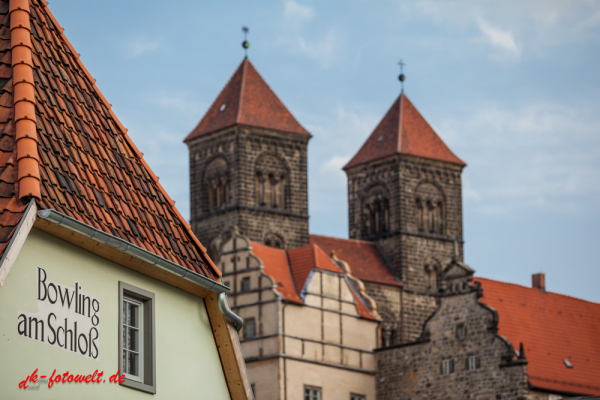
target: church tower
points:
(404, 192)
(248, 166)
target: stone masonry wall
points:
(388, 300)
(407, 249)
(241, 147)
(416, 308)
(414, 371)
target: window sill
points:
(142, 387)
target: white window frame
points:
(447, 366)
(473, 363)
(146, 381)
(354, 396)
(140, 329)
(312, 393)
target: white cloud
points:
(498, 38)
(334, 164)
(541, 155)
(295, 10)
(323, 50)
(139, 45)
(322, 47)
(540, 25)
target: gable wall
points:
(192, 344)
(415, 371)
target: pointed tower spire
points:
(403, 130)
(247, 100)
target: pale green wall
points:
(187, 366)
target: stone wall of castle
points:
(417, 371)
(417, 252)
(245, 149)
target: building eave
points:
(125, 253)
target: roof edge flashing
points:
(130, 249)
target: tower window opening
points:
(217, 181)
(431, 275)
(377, 212)
(428, 211)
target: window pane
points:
(132, 339)
(132, 364)
(132, 315)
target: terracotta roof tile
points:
(247, 100)
(88, 166)
(403, 130)
(305, 259)
(364, 258)
(291, 268)
(552, 328)
(276, 266)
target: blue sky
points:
(512, 87)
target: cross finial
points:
(245, 43)
(402, 77)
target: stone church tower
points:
(248, 166)
(404, 192)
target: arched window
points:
(274, 240)
(270, 181)
(419, 214)
(217, 182)
(429, 213)
(431, 276)
(377, 211)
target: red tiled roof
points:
(305, 259)
(247, 100)
(552, 327)
(403, 130)
(361, 307)
(291, 268)
(277, 267)
(364, 258)
(84, 165)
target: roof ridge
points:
(124, 131)
(349, 239)
(536, 289)
(400, 115)
(28, 159)
(243, 83)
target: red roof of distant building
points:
(403, 130)
(247, 100)
(291, 269)
(305, 259)
(61, 144)
(553, 328)
(364, 258)
(277, 267)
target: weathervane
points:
(245, 43)
(401, 77)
